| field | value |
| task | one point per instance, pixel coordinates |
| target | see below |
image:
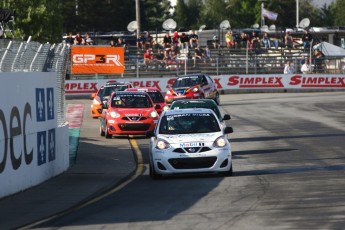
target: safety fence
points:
(223, 61)
(30, 56)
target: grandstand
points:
(224, 60)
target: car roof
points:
(189, 110)
(190, 75)
(144, 89)
(129, 92)
(191, 101)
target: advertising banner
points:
(224, 82)
(29, 137)
(97, 60)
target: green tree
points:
(326, 15)
(339, 18)
(39, 19)
(193, 14)
(180, 14)
(213, 12)
(153, 13)
(243, 14)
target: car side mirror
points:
(150, 133)
(105, 105)
(228, 130)
(226, 117)
(158, 106)
(166, 107)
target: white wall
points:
(29, 153)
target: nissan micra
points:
(189, 141)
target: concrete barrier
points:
(33, 147)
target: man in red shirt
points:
(148, 57)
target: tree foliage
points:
(213, 12)
(339, 17)
(48, 20)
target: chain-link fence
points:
(29, 56)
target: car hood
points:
(181, 89)
(134, 112)
(194, 137)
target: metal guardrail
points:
(29, 56)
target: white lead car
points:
(189, 141)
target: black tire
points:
(228, 173)
(101, 131)
(217, 99)
(107, 134)
(153, 174)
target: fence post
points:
(5, 54)
(217, 65)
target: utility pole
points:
(297, 13)
(137, 13)
(262, 7)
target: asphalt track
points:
(289, 167)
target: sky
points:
(320, 3)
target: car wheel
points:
(101, 131)
(108, 135)
(153, 174)
(217, 99)
(229, 172)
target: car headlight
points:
(114, 114)
(96, 102)
(194, 90)
(162, 144)
(166, 107)
(220, 142)
(153, 114)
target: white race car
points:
(189, 141)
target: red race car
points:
(192, 86)
(155, 94)
(104, 93)
(128, 113)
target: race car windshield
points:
(156, 97)
(177, 105)
(131, 101)
(189, 123)
(187, 81)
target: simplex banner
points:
(97, 59)
(223, 82)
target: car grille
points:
(180, 92)
(192, 163)
(134, 127)
(192, 150)
(134, 118)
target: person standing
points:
(288, 40)
(306, 67)
(229, 39)
(307, 39)
(69, 40)
(289, 68)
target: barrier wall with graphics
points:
(229, 83)
(29, 131)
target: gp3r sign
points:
(97, 59)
